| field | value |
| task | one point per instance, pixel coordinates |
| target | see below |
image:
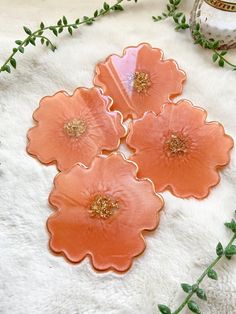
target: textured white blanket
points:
(32, 279)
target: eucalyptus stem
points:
(191, 290)
(61, 25)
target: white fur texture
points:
(32, 279)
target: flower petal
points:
(48, 140)
(112, 246)
(116, 77)
(192, 173)
(112, 243)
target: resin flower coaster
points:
(101, 213)
(74, 128)
(139, 80)
(178, 150)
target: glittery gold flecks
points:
(103, 207)
(176, 145)
(141, 82)
(75, 127)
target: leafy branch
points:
(180, 19)
(219, 56)
(171, 11)
(39, 35)
(229, 251)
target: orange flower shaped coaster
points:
(140, 80)
(101, 213)
(74, 128)
(179, 150)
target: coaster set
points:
(103, 202)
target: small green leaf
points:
(194, 307)
(18, 42)
(178, 27)
(70, 30)
(223, 53)
(157, 18)
(164, 309)
(27, 30)
(187, 288)
(14, 50)
(183, 20)
(177, 2)
(214, 57)
(106, 6)
(219, 249)
(41, 25)
(60, 29)
(230, 251)
(95, 13)
(59, 23)
(194, 287)
(13, 62)
(197, 27)
(212, 274)
(118, 7)
(32, 40)
(178, 15)
(216, 44)
(7, 68)
(184, 26)
(221, 63)
(176, 19)
(77, 21)
(42, 41)
(21, 49)
(201, 294)
(53, 48)
(54, 30)
(88, 21)
(231, 225)
(64, 20)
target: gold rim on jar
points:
(222, 5)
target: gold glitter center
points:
(75, 127)
(141, 82)
(103, 207)
(176, 145)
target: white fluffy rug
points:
(32, 279)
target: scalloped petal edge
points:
(53, 160)
(89, 254)
(99, 84)
(170, 187)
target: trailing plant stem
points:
(225, 60)
(204, 274)
(56, 30)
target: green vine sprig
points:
(217, 56)
(39, 35)
(172, 11)
(180, 19)
(194, 290)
